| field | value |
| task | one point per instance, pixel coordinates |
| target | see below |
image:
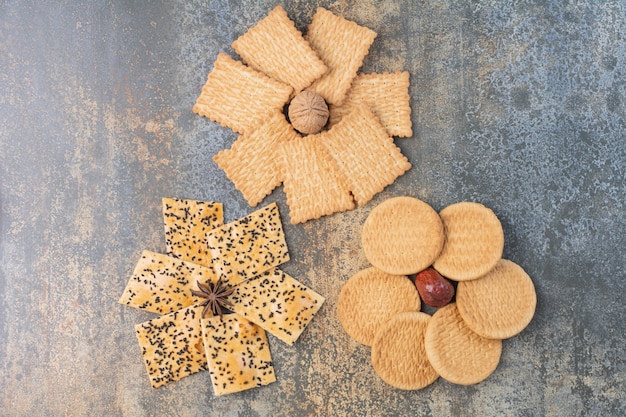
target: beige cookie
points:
(386, 94)
(399, 355)
(276, 48)
(369, 298)
(311, 184)
(250, 163)
(341, 44)
(364, 154)
(500, 304)
(402, 235)
(456, 352)
(239, 97)
(474, 241)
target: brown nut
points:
(308, 112)
(435, 290)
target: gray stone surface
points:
(518, 106)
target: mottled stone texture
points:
(517, 105)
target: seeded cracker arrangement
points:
(211, 266)
(462, 341)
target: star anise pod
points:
(215, 296)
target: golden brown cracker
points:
(402, 235)
(364, 154)
(312, 185)
(371, 297)
(171, 345)
(458, 354)
(238, 96)
(474, 241)
(398, 352)
(342, 45)
(500, 304)
(250, 162)
(275, 47)
(238, 354)
(162, 284)
(386, 94)
(186, 224)
(277, 303)
(249, 246)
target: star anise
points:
(215, 296)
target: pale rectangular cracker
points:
(162, 284)
(365, 155)
(238, 354)
(312, 185)
(171, 345)
(186, 224)
(239, 97)
(276, 48)
(247, 247)
(386, 94)
(342, 45)
(278, 303)
(249, 163)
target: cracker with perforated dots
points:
(341, 44)
(275, 47)
(364, 154)
(239, 97)
(250, 162)
(386, 94)
(312, 184)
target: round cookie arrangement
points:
(450, 261)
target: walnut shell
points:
(308, 112)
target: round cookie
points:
(402, 235)
(500, 304)
(398, 352)
(369, 298)
(457, 353)
(474, 241)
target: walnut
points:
(308, 112)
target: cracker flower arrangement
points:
(462, 341)
(210, 267)
(334, 148)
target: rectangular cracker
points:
(162, 284)
(311, 183)
(249, 163)
(364, 154)
(386, 94)
(171, 345)
(187, 223)
(239, 97)
(276, 48)
(278, 303)
(238, 354)
(342, 45)
(247, 247)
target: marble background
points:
(518, 105)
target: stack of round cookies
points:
(461, 341)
